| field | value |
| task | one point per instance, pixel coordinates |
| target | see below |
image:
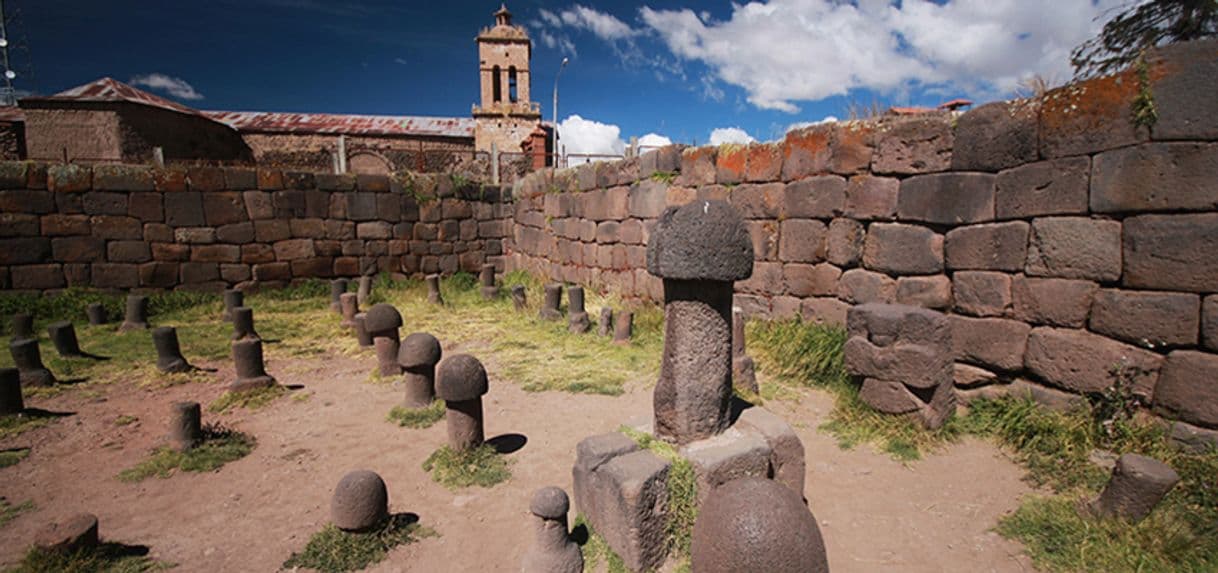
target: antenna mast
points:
(7, 95)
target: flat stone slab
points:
(725, 457)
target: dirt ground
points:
(875, 513)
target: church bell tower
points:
(505, 117)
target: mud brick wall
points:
(136, 227)
(1064, 239)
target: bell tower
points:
(505, 115)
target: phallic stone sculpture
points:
(350, 304)
(337, 288)
(137, 313)
(73, 534)
(186, 426)
(461, 382)
(744, 372)
(623, 327)
(553, 550)
(243, 323)
(96, 312)
(11, 400)
(233, 298)
(63, 337)
(23, 325)
(604, 325)
(577, 316)
(365, 290)
(251, 372)
(418, 356)
(1137, 485)
(487, 278)
(520, 299)
(553, 300)
(382, 322)
(168, 352)
(699, 250)
(361, 330)
(755, 524)
(433, 289)
(28, 361)
(360, 502)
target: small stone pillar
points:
(904, 356)
(243, 323)
(337, 288)
(233, 298)
(433, 289)
(418, 356)
(604, 325)
(699, 250)
(11, 401)
(96, 312)
(186, 426)
(755, 524)
(168, 352)
(553, 550)
(360, 502)
(744, 371)
(361, 330)
(553, 300)
(520, 298)
(73, 534)
(63, 336)
(1137, 485)
(577, 321)
(365, 290)
(28, 361)
(350, 304)
(487, 278)
(623, 327)
(461, 382)
(23, 325)
(382, 322)
(137, 313)
(251, 372)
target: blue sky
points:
(678, 68)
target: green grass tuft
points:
(9, 512)
(333, 550)
(418, 418)
(13, 457)
(104, 558)
(249, 399)
(481, 466)
(125, 420)
(14, 425)
(682, 489)
(596, 550)
(219, 447)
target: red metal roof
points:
(112, 90)
(346, 124)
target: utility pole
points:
(554, 108)
(7, 95)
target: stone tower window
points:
(496, 88)
(512, 84)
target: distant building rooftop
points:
(112, 90)
(345, 124)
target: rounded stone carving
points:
(419, 350)
(755, 524)
(77, 532)
(360, 501)
(460, 378)
(702, 240)
(550, 503)
(382, 317)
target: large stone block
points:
(128, 252)
(918, 144)
(981, 293)
(1185, 73)
(1075, 248)
(996, 136)
(725, 457)
(1155, 177)
(19, 225)
(69, 177)
(806, 151)
(889, 396)
(1055, 187)
(1054, 302)
(853, 146)
(104, 203)
(65, 249)
(184, 209)
(787, 464)
(757, 201)
(1144, 318)
(1090, 116)
(122, 177)
(824, 310)
(993, 343)
(205, 178)
(28, 201)
(885, 324)
(57, 224)
(697, 166)
(988, 247)
(146, 206)
(844, 242)
(811, 280)
(933, 292)
(38, 277)
(293, 249)
(802, 241)
(622, 497)
(1209, 323)
(1080, 361)
(947, 198)
(115, 275)
(764, 162)
(1172, 252)
(897, 249)
(820, 197)
(870, 197)
(116, 227)
(860, 286)
(1187, 389)
(158, 274)
(648, 199)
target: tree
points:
(1143, 25)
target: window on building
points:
(496, 89)
(512, 84)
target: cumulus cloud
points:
(176, 87)
(784, 51)
(579, 136)
(721, 135)
(653, 140)
(602, 24)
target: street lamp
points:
(555, 110)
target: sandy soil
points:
(875, 514)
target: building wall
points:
(315, 152)
(506, 133)
(88, 134)
(182, 137)
(12, 140)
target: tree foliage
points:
(1141, 25)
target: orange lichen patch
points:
(1089, 104)
(694, 154)
(730, 162)
(809, 140)
(270, 179)
(851, 146)
(764, 162)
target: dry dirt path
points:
(876, 514)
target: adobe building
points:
(506, 118)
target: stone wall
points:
(1066, 241)
(136, 227)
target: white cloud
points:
(604, 25)
(721, 135)
(577, 136)
(401, 61)
(653, 140)
(785, 51)
(803, 124)
(176, 87)
(551, 18)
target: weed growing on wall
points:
(1143, 107)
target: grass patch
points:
(481, 466)
(418, 417)
(9, 512)
(248, 399)
(13, 457)
(333, 550)
(104, 558)
(596, 551)
(125, 420)
(682, 491)
(219, 447)
(14, 425)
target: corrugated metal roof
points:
(346, 124)
(11, 113)
(112, 90)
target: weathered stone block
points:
(697, 166)
(293, 249)
(27, 201)
(18, 225)
(969, 376)
(184, 209)
(1090, 116)
(1155, 177)
(1055, 302)
(158, 274)
(199, 272)
(933, 292)
(1209, 323)
(122, 178)
(170, 252)
(104, 203)
(947, 198)
(158, 232)
(146, 206)
(989, 247)
(844, 242)
(648, 199)
(1084, 362)
(852, 146)
(1076, 248)
(216, 253)
(222, 208)
(116, 227)
(205, 178)
(195, 235)
(885, 324)
(860, 286)
(1186, 388)
(1183, 74)
(824, 310)
(870, 197)
(169, 179)
(888, 396)
(236, 233)
(820, 197)
(69, 177)
(787, 464)
(757, 201)
(115, 275)
(811, 280)
(1172, 252)
(271, 272)
(37, 277)
(57, 224)
(918, 144)
(764, 162)
(981, 293)
(993, 343)
(1145, 318)
(802, 240)
(128, 252)
(1055, 187)
(725, 457)
(65, 249)
(996, 136)
(806, 152)
(896, 248)
(376, 230)
(624, 494)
